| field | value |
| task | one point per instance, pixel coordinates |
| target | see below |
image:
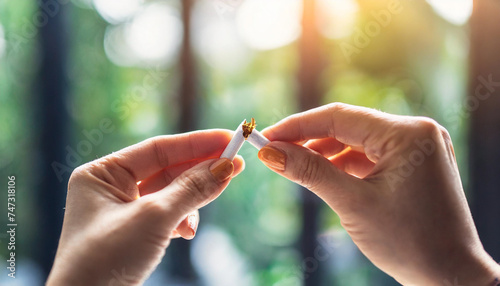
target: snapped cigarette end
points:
(253, 136)
(248, 127)
(245, 132)
(235, 144)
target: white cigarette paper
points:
(235, 144)
(245, 131)
(257, 139)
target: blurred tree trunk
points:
(182, 268)
(484, 102)
(50, 119)
(188, 120)
(309, 96)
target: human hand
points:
(115, 225)
(394, 183)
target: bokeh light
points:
(212, 260)
(151, 38)
(246, 63)
(267, 25)
(116, 11)
(336, 17)
(155, 33)
(218, 42)
(456, 12)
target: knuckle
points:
(336, 106)
(308, 172)
(427, 127)
(153, 208)
(78, 172)
(448, 142)
(446, 136)
(196, 185)
(107, 169)
(167, 177)
(332, 109)
(161, 155)
(78, 175)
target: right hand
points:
(394, 183)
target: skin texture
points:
(394, 183)
(116, 229)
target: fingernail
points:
(273, 158)
(192, 224)
(222, 169)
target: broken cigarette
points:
(245, 132)
(257, 139)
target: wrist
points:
(70, 275)
(481, 270)
(79, 266)
(495, 273)
(490, 276)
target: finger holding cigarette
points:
(245, 132)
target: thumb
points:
(312, 171)
(192, 190)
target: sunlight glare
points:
(269, 24)
(217, 42)
(152, 38)
(116, 11)
(219, 45)
(144, 122)
(155, 34)
(336, 17)
(456, 12)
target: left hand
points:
(116, 226)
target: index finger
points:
(152, 155)
(350, 125)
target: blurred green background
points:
(152, 67)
